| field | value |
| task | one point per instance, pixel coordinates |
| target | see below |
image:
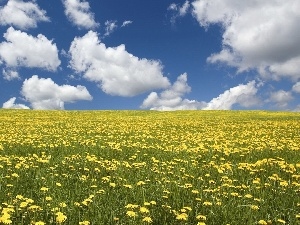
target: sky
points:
(153, 54)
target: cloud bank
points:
(23, 50)
(115, 70)
(45, 94)
(10, 104)
(172, 97)
(259, 35)
(23, 15)
(78, 13)
(243, 95)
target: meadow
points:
(149, 167)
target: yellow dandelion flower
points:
(281, 221)
(39, 223)
(147, 219)
(44, 189)
(84, 222)
(262, 222)
(112, 184)
(254, 207)
(144, 210)
(182, 216)
(63, 204)
(201, 223)
(201, 217)
(60, 217)
(131, 213)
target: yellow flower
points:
(201, 217)
(131, 213)
(63, 204)
(44, 189)
(23, 204)
(182, 216)
(147, 219)
(39, 223)
(281, 221)
(58, 184)
(144, 210)
(60, 217)
(48, 198)
(84, 222)
(140, 183)
(112, 184)
(262, 222)
(254, 207)
(207, 203)
(201, 223)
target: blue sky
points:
(159, 55)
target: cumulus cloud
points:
(281, 98)
(10, 75)
(115, 70)
(261, 35)
(45, 94)
(23, 50)
(78, 12)
(10, 104)
(179, 11)
(110, 26)
(243, 94)
(23, 15)
(172, 98)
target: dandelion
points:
(131, 213)
(281, 221)
(63, 204)
(44, 189)
(207, 203)
(201, 217)
(201, 223)
(182, 216)
(39, 223)
(254, 207)
(147, 219)
(60, 217)
(112, 184)
(84, 222)
(262, 222)
(144, 210)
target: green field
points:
(149, 167)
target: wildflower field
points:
(148, 167)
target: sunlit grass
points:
(147, 167)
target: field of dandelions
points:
(147, 167)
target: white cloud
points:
(281, 98)
(179, 11)
(115, 70)
(21, 49)
(244, 95)
(10, 74)
(10, 104)
(261, 35)
(296, 87)
(110, 26)
(171, 98)
(78, 12)
(22, 14)
(45, 94)
(126, 23)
